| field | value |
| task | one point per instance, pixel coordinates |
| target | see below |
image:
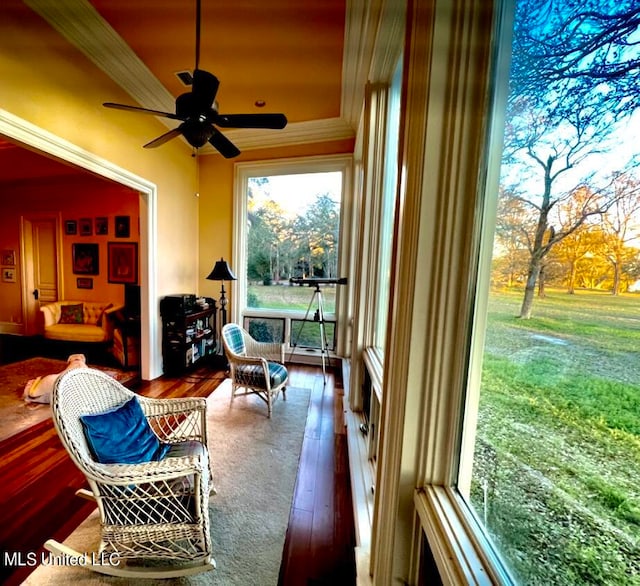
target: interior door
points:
(41, 237)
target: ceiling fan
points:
(198, 112)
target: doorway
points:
(33, 137)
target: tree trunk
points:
(571, 287)
(541, 290)
(530, 288)
(616, 279)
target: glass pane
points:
(307, 334)
(287, 296)
(557, 450)
(387, 209)
(294, 223)
(269, 330)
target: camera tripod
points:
(318, 316)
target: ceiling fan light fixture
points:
(197, 133)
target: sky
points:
(294, 193)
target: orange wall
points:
(71, 199)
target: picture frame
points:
(86, 259)
(8, 275)
(84, 283)
(85, 226)
(122, 226)
(102, 226)
(70, 227)
(122, 262)
(8, 258)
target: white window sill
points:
(461, 554)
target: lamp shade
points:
(221, 272)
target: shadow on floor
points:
(14, 348)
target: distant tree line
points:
(281, 247)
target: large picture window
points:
(552, 472)
(289, 214)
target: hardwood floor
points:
(38, 501)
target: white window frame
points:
(451, 66)
(318, 164)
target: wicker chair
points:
(256, 367)
(154, 515)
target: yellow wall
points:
(48, 83)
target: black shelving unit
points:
(187, 338)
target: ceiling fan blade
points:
(276, 121)
(220, 142)
(141, 110)
(204, 88)
(167, 136)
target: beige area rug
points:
(255, 462)
(15, 414)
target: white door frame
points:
(29, 134)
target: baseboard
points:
(8, 327)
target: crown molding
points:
(294, 133)
(79, 23)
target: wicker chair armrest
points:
(166, 469)
(250, 361)
(271, 351)
(167, 406)
(175, 420)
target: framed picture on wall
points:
(84, 283)
(85, 259)
(8, 258)
(123, 262)
(8, 275)
(70, 227)
(86, 226)
(102, 226)
(123, 226)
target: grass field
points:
(557, 463)
(294, 297)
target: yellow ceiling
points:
(287, 53)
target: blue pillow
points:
(122, 435)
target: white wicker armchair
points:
(154, 515)
(256, 367)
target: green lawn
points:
(557, 459)
(286, 296)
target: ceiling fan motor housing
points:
(196, 132)
(192, 106)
